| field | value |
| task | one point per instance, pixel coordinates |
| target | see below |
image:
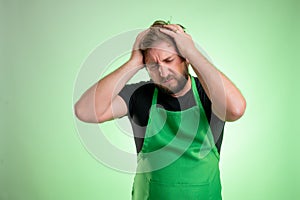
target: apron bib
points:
(179, 159)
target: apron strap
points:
(195, 92)
(154, 98)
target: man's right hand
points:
(136, 54)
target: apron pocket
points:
(178, 191)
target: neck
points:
(185, 89)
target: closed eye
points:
(168, 61)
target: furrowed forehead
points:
(153, 53)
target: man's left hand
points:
(184, 41)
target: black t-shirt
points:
(138, 98)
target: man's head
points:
(166, 67)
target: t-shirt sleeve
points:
(204, 100)
(128, 90)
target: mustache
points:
(167, 78)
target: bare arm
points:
(227, 101)
(101, 102)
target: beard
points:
(181, 82)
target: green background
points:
(43, 44)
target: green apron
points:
(179, 159)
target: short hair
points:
(155, 36)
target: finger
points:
(174, 27)
(168, 32)
(139, 38)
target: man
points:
(177, 119)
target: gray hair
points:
(153, 37)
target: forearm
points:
(227, 101)
(98, 98)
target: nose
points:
(163, 71)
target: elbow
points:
(236, 111)
(90, 117)
(81, 113)
(78, 112)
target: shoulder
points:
(137, 93)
